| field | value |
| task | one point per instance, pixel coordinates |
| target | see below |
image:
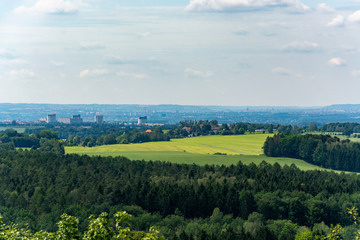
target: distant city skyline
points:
(187, 52)
(173, 114)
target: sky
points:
(188, 52)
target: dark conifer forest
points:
(184, 201)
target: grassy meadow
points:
(198, 150)
(19, 129)
(339, 135)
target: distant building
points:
(76, 119)
(216, 130)
(260, 130)
(142, 120)
(99, 119)
(64, 120)
(51, 118)
(188, 129)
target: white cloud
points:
(355, 17)
(57, 64)
(93, 72)
(197, 73)
(118, 60)
(338, 21)
(91, 45)
(301, 47)
(115, 59)
(286, 72)
(324, 8)
(233, 5)
(143, 35)
(21, 73)
(132, 75)
(337, 62)
(84, 73)
(281, 71)
(355, 73)
(16, 61)
(50, 7)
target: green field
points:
(353, 139)
(198, 150)
(17, 128)
(338, 135)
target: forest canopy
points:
(181, 200)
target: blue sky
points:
(194, 52)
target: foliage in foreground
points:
(102, 228)
(68, 229)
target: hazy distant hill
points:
(344, 107)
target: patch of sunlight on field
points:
(250, 144)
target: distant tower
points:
(51, 118)
(142, 120)
(99, 119)
(76, 119)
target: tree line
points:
(95, 135)
(344, 128)
(322, 150)
(11, 139)
(45, 141)
(123, 137)
(191, 128)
